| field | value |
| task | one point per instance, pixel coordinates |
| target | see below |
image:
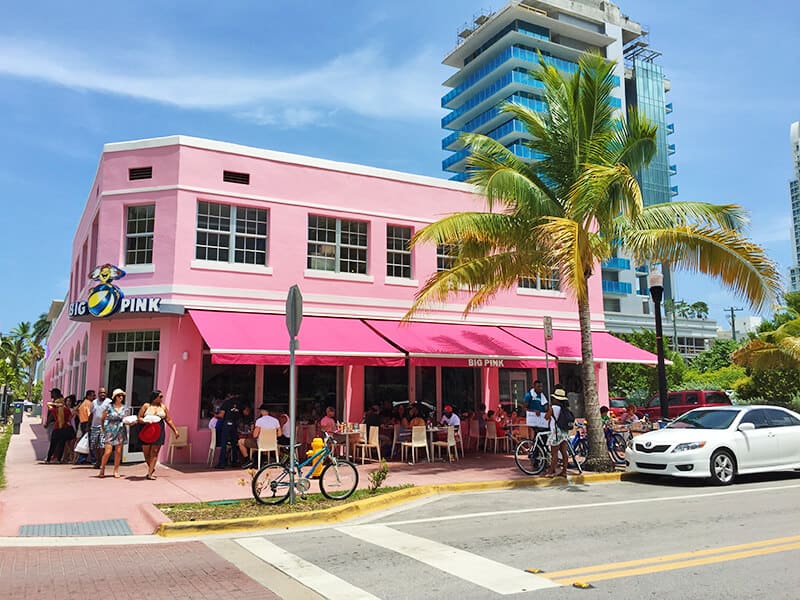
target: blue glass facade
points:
(497, 72)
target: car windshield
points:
(705, 419)
(617, 403)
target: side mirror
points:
(746, 427)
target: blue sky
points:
(354, 81)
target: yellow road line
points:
(656, 568)
(671, 557)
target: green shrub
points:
(5, 440)
(378, 476)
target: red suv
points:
(683, 401)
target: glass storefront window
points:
(316, 389)
(460, 388)
(425, 384)
(220, 380)
(382, 384)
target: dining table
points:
(347, 434)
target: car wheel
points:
(723, 467)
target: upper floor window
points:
(337, 245)
(446, 255)
(235, 234)
(139, 234)
(398, 253)
(541, 282)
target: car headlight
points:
(688, 446)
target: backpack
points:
(565, 420)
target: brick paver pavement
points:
(179, 571)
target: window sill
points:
(207, 265)
(129, 269)
(401, 282)
(315, 274)
(535, 292)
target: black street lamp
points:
(656, 282)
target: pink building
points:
(211, 236)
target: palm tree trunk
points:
(598, 459)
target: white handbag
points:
(82, 447)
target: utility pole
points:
(733, 320)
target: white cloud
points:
(364, 82)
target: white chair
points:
(450, 443)
(419, 439)
(212, 447)
(181, 442)
(491, 436)
(398, 438)
(373, 442)
(267, 442)
(459, 440)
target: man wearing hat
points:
(449, 417)
(265, 421)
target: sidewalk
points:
(38, 494)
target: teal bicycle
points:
(338, 480)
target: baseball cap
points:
(448, 408)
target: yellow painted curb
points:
(367, 505)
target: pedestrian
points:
(536, 408)
(559, 436)
(69, 443)
(156, 407)
(84, 416)
(227, 425)
(96, 444)
(59, 415)
(115, 434)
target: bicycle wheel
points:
(338, 480)
(581, 452)
(618, 445)
(271, 484)
(529, 457)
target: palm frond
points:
(570, 247)
(724, 254)
(760, 355)
(677, 214)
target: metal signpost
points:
(294, 316)
(548, 335)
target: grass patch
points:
(232, 509)
(5, 440)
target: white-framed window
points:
(398, 252)
(139, 230)
(446, 255)
(337, 245)
(133, 341)
(541, 282)
(233, 234)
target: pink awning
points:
(566, 346)
(261, 339)
(459, 345)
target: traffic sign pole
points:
(294, 317)
(548, 335)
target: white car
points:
(720, 443)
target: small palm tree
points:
(566, 211)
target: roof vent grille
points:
(140, 173)
(233, 177)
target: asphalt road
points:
(643, 539)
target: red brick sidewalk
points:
(187, 570)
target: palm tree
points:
(35, 351)
(778, 349)
(567, 210)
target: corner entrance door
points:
(136, 374)
(519, 386)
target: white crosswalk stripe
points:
(311, 576)
(481, 571)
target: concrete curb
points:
(368, 505)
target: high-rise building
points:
(794, 195)
(494, 57)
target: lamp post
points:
(656, 283)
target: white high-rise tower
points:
(794, 194)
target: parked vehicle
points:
(683, 401)
(616, 406)
(719, 443)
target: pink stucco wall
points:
(186, 171)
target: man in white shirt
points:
(98, 407)
(265, 421)
(537, 404)
(449, 417)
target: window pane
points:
(139, 234)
